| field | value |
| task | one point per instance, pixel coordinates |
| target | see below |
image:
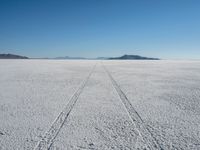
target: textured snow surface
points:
(75, 104)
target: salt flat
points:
(166, 94)
(163, 96)
(32, 93)
(99, 120)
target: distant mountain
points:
(124, 57)
(67, 57)
(12, 56)
(133, 57)
(102, 58)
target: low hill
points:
(67, 57)
(12, 56)
(133, 57)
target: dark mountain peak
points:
(133, 57)
(12, 56)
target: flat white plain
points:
(165, 94)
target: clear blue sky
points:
(90, 28)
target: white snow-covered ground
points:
(88, 104)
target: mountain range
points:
(133, 57)
(124, 57)
(12, 56)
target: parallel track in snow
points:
(47, 140)
(144, 132)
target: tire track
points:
(46, 142)
(144, 132)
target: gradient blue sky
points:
(166, 29)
